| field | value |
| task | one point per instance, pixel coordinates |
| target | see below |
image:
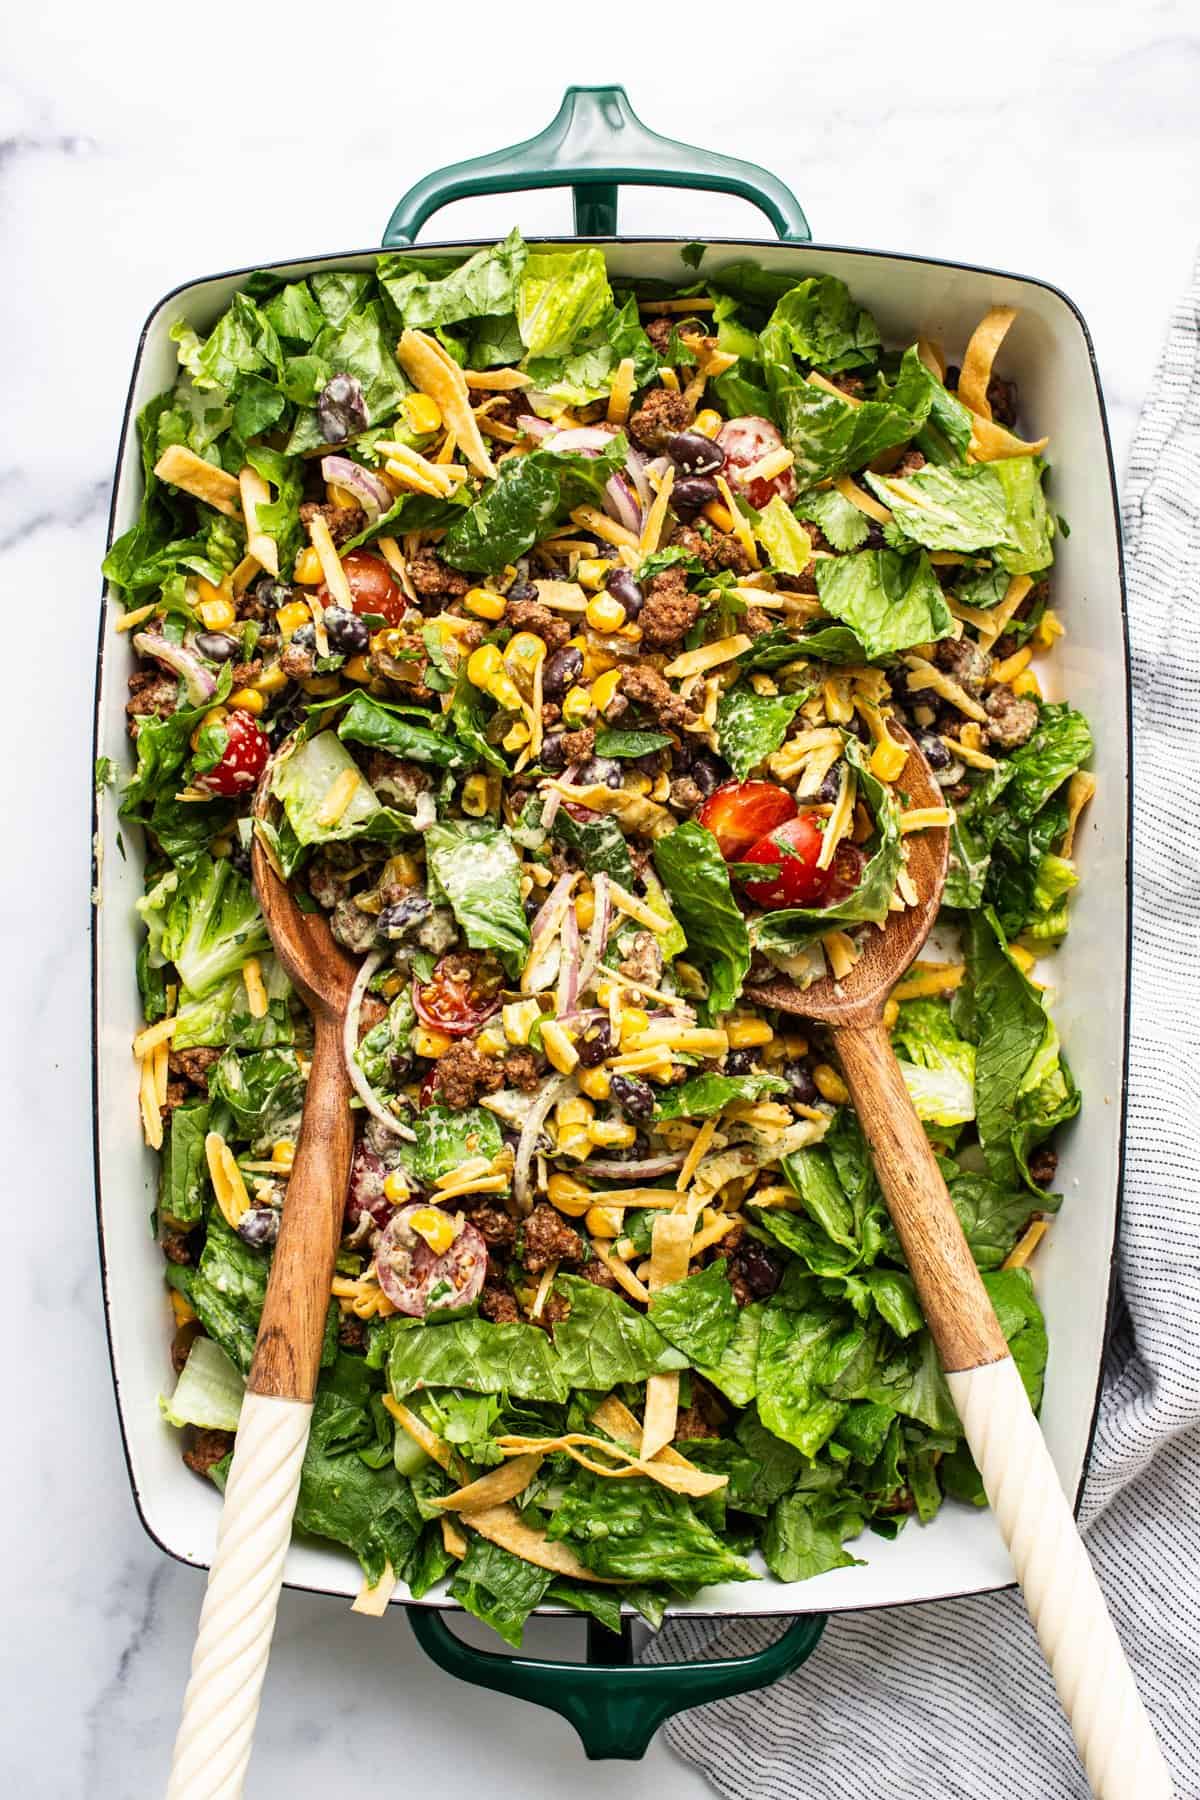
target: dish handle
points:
(615, 1704)
(594, 143)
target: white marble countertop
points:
(140, 147)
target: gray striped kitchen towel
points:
(953, 1702)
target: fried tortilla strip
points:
(498, 1485)
(502, 1525)
(986, 340)
(436, 373)
(184, 469)
(670, 1248)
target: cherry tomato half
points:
(845, 873)
(741, 812)
(462, 992)
(745, 441)
(371, 587)
(789, 857)
(244, 758)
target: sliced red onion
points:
(358, 1080)
(547, 910)
(635, 468)
(568, 968)
(582, 1016)
(601, 919)
(587, 440)
(646, 1170)
(201, 683)
(538, 428)
(531, 1131)
(554, 799)
(371, 491)
(621, 503)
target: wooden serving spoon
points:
(1095, 1683)
(237, 1619)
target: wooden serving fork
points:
(237, 1619)
(1094, 1681)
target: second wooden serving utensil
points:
(1094, 1681)
(237, 1620)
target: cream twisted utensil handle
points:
(237, 1620)
(1095, 1684)
(1115, 1739)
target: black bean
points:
(399, 920)
(305, 638)
(761, 1271)
(259, 1227)
(271, 592)
(600, 771)
(692, 492)
(831, 787)
(739, 1062)
(635, 1098)
(934, 750)
(801, 1084)
(553, 754)
(706, 772)
(562, 671)
(694, 454)
(521, 590)
(341, 408)
(595, 1043)
(347, 633)
(217, 646)
(624, 588)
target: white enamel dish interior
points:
(1047, 351)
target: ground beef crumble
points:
(547, 1238)
(208, 1447)
(432, 579)
(645, 687)
(497, 1305)
(1012, 718)
(658, 418)
(669, 612)
(192, 1065)
(531, 615)
(344, 522)
(521, 1071)
(463, 1075)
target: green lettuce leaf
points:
(365, 721)
(698, 1314)
(825, 433)
(226, 1290)
(635, 1530)
(826, 327)
(1028, 543)
(223, 1016)
(702, 1095)
(371, 1511)
(938, 1066)
(845, 526)
(529, 496)
(693, 871)
(751, 726)
(603, 1340)
(211, 926)
(598, 842)
(736, 1374)
(787, 544)
(586, 374)
(303, 780)
(486, 1359)
(945, 508)
(209, 1391)
(1061, 744)
(261, 1090)
(484, 284)
(499, 1588)
(805, 1533)
(946, 432)
(475, 864)
(561, 295)
(994, 1217)
(1011, 1293)
(446, 1139)
(889, 601)
(183, 1169)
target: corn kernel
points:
(271, 681)
(612, 1132)
(708, 422)
(183, 1310)
(430, 1043)
(219, 847)
(575, 1111)
(484, 665)
(604, 689)
(570, 1196)
(519, 1019)
(218, 614)
(283, 1152)
(585, 909)
(525, 651)
(1049, 627)
(308, 571)
(246, 700)
(719, 515)
(1027, 684)
(605, 613)
(484, 603)
(321, 685)
(603, 1221)
(887, 760)
(596, 662)
(596, 1083)
(402, 871)
(638, 784)
(574, 1143)
(747, 1034)
(592, 572)
(633, 1022)
(517, 736)
(358, 669)
(491, 1041)
(395, 1188)
(475, 796)
(424, 413)
(556, 1042)
(1024, 959)
(208, 591)
(830, 1085)
(577, 707)
(891, 1012)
